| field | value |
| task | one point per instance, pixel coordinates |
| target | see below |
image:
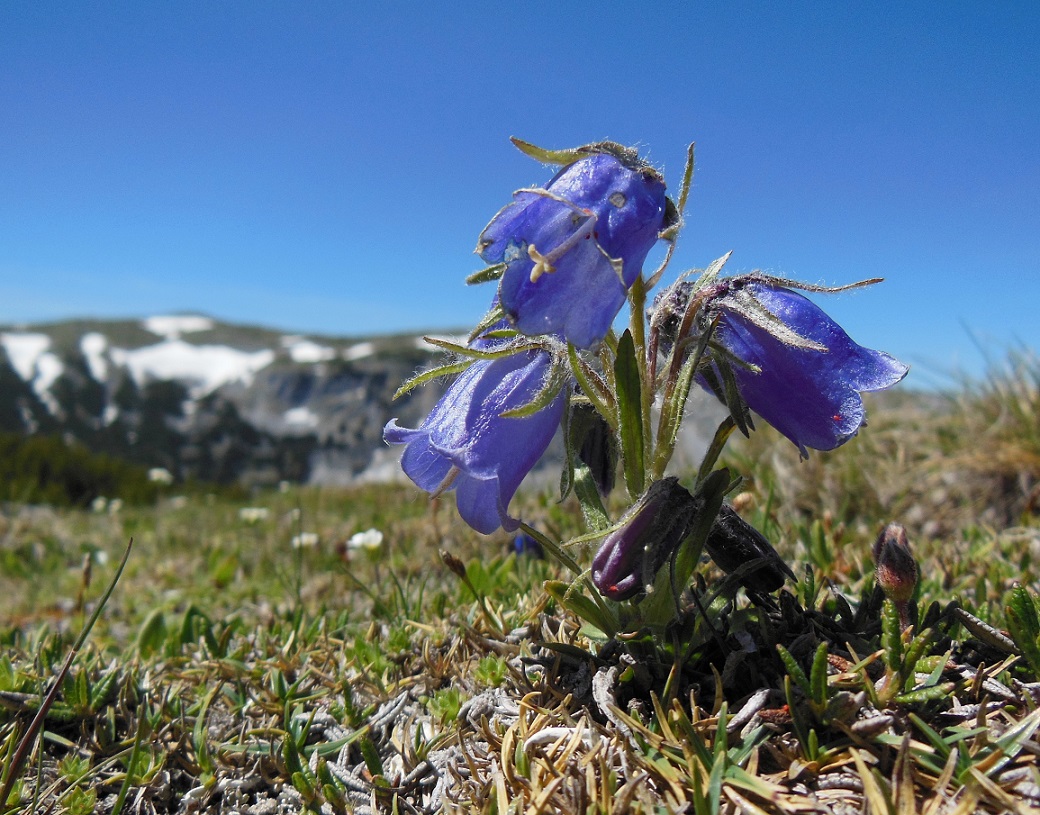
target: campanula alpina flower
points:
(810, 394)
(466, 444)
(650, 533)
(803, 373)
(574, 248)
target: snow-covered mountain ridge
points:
(211, 400)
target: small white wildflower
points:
(99, 504)
(99, 556)
(160, 475)
(253, 515)
(114, 506)
(370, 539)
(305, 540)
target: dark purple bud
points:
(733, 542)
(650, 533)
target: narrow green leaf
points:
(595, 515)
(927, 694)
(1023, 625)
(818, 676)
(577, 603)
(630, 414)
(891, 636)
(718, 443)
(938, 742)
(917, 648)
(794, 670)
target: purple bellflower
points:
(467, 445)
(574, 248)
(810, 373)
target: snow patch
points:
(300, 417)
(24, 350)
(32, 359)
(359, 351)
(93, 346)
(303, 351)
(206, 367)
(171, 326)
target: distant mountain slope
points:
(214, 401)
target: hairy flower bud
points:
(650, 533)
(894, 566)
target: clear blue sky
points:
(328, 167)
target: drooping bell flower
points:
(466, 444)
(574, 248)
(649, 534)
(809, 373)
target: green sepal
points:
(593, 387)
(725, 386)
(494, 315)
(741, 301)
(626, 155)
(487, 274)
(561, 157)
(471, 352)
(433, 373)
(628, 382)
(555, 380)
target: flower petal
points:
(573, 250)
(812, 397)
(466, 431)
